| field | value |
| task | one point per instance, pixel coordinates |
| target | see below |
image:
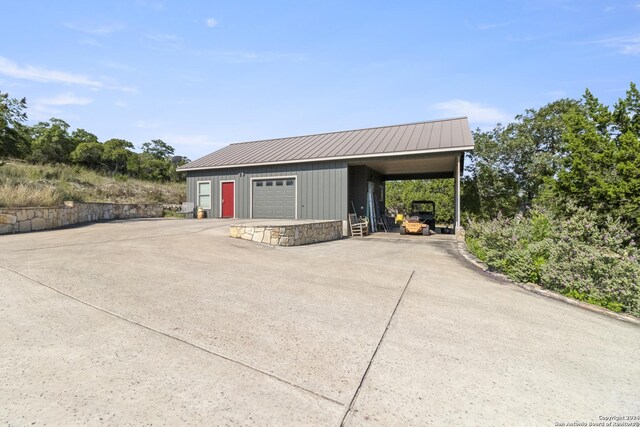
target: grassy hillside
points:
(23, 184)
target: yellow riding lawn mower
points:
(422, 219)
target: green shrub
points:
(474, 246)
(611, 305)
(517, 246)
(598, 264)
(574, 256)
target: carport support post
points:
(456, 195)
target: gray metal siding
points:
(321, 188)
(359, 176)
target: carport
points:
(326, 176)
(370, 175)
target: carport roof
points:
(437, 136)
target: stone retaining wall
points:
(289, 235)
(20, 220)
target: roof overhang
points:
(426, 166)
(416, 161)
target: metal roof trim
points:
(326, 159)
(448, 119)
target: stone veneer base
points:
(20, 220)
(289, 234)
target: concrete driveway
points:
(172, 322)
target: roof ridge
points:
(349, 130)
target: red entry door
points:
(228, 201)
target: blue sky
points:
(202, 74)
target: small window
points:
(269, 183)
(289, 182)
(279, 183)
(204, 195)
(259, 184)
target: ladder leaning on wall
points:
(380, 216)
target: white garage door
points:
(274, 198)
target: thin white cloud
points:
(487, 25)
(631, 49)
(211, 22)
(128, 89)
(118, 66)
(121, 88)
(44, 75)
(45, 108)
(476, 112)
(163, 41)
(527, 39)
(42, 113)
(96, 30)
(162, 37)
(10, 83)
(627, 45)
(238, 57)
(492, 26)
(244, 56)
(64, 99)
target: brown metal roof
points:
(413, 138)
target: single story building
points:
(325, 176)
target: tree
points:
(177, 162)
(88, 154)
(490, 188)
(13, 140)
(400, 194)
(158, 149)
(116, 153)
(533, 147)
(602, 166)
(82, 136)
(51, 142)
(511, 166)
(156, 162)
(155, 169)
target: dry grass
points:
(23, 184)
(21, 194)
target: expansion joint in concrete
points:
(172, 337)
(375, 352)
